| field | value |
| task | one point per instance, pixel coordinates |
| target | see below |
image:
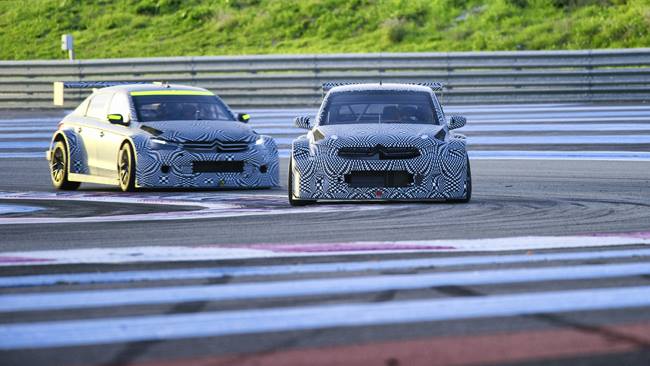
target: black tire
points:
(126, 168)
(292, 201)
(59, 168)
(468, 186)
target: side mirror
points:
(243, 117)
(117, 119)
(302, 122)
(456, 122)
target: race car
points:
(379, 142)
(158, 135)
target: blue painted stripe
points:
(6, 209)
(293, 269)
(31, 120)
(564, 127)
(284, 152)
(318, 287)
(542, 140)
(559, 140)
(473, 140)
(26, 155)
(582, 155)
(45, 144)
(26, 129)
(503, 119)
(589, 109)
(27, 135)
(167, 327)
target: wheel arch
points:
(61, 136)
(132, 145)
(138, 145)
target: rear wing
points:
(331, 84)
(435, 86)
(60, 86)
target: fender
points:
(270, 144)
(454, 167)
(78, 160)
(145, 162)
(304, 167)
(273, 160)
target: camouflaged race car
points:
(380, 142)
(159, 136)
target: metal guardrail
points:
(295, 80)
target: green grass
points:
(31, 29)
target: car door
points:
(111, 136)
(89, 129)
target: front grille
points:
(379, 179)
(220, 146)
(218, 166)
(378, 152)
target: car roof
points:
(382, 86)
(127, 88)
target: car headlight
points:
(161, 144)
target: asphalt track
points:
(549, 263)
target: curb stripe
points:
(318, 287)
(210, 324)
(271, 250)
(340, 267)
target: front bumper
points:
(428, 178)
(178, 168)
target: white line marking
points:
(214, 205)
(317, 287)
(309, 268)
(225, 252)
(10, 209)
(166, 327)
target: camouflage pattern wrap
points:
(439, 171)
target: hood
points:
(204, 131)
(379, 130)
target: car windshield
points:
(152, 108)
(379, 107)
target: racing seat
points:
(189, 112)
(390, 113)
(410, 114)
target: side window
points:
(97, 107)
(438, 111)
(120, 105)
(81, 109)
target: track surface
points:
(239, 277)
